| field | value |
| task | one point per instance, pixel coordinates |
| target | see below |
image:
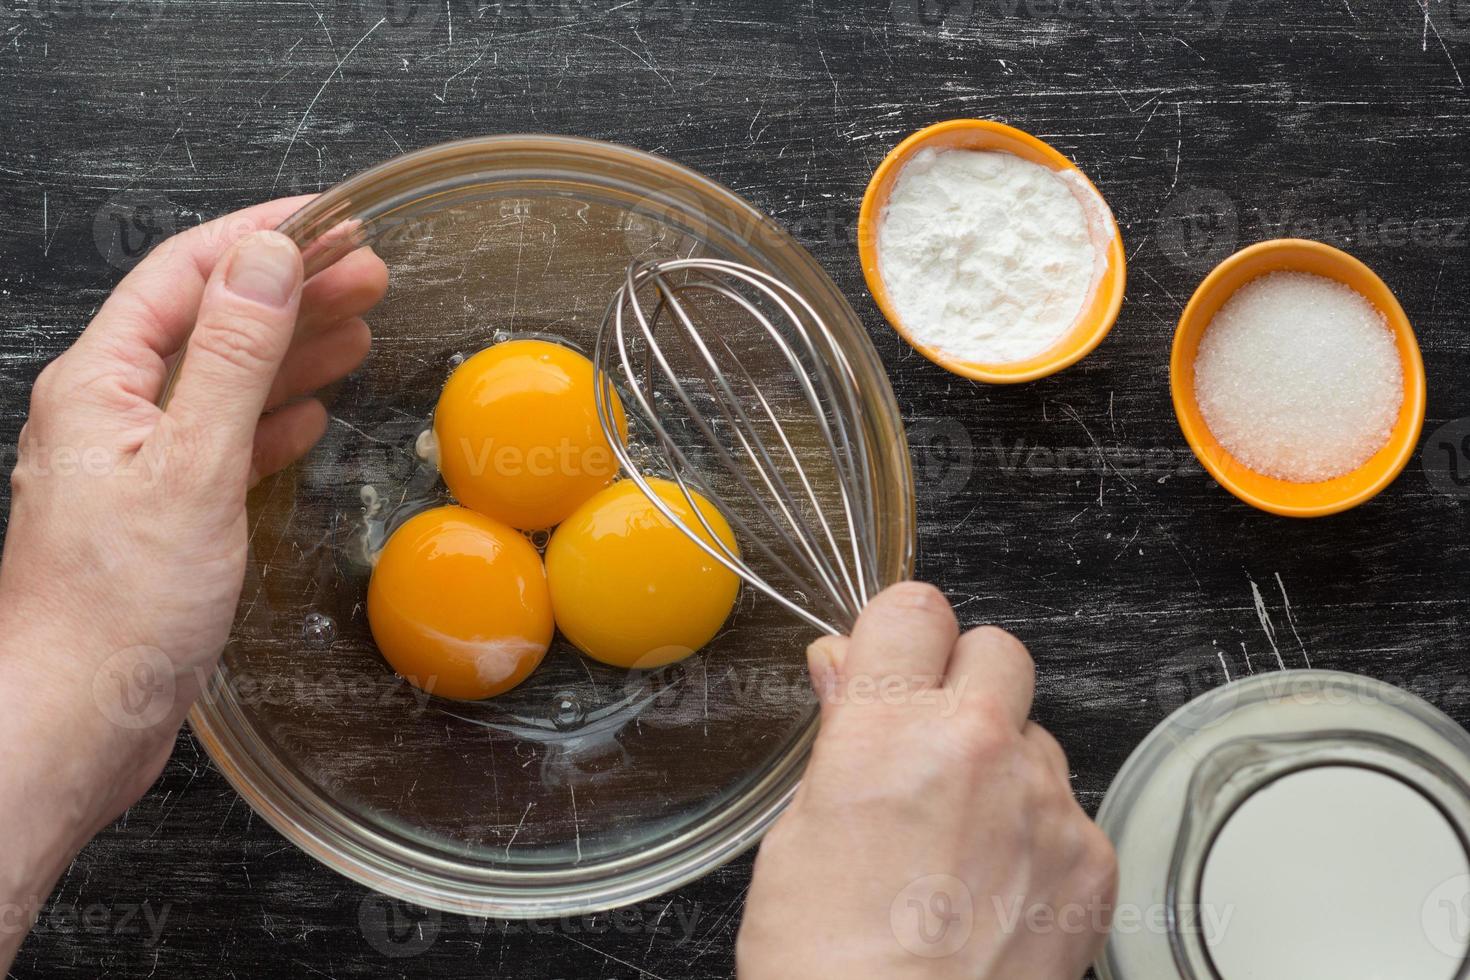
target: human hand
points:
(935, 834)
(126, 545)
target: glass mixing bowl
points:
(587, 787)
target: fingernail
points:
(266, 269)
(823, 667)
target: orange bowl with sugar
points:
(1278, 496)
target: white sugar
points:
(1298, 377)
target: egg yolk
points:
(517, 433)
(458, 604)
(628, 587)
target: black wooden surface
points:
(1067, 510)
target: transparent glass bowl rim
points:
(395, 867)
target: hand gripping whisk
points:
(741, 393)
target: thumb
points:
(825, 659)
(246, 319)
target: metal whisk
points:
(746, 398)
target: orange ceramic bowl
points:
(1281, 496)
(983, 134)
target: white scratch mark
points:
(1265, 619)
(836, 92)
(1148, 120)
(1121, 96)
(1424, 43)
(312, 105)
(653, 932)
(576, 824)
(444, 92)
(1291, 620)
(370, 438)
(608, 956)
(1178, 149)
(1101, 455)
(323, 24)
(750, 133)
(517, 831)
(643, 59)
(1190, 49)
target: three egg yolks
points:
(461, 604)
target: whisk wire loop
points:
(828, 561)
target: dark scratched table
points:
(1067, 510)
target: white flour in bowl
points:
(987, 257)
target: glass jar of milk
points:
(1299, 825)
